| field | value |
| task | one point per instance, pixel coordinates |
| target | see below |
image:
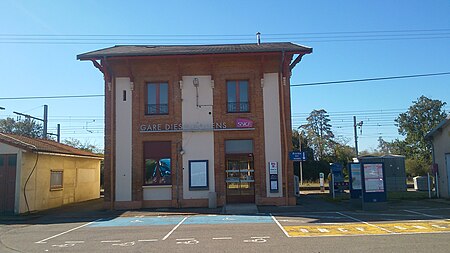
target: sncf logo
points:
(244, 123)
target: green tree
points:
(342, 152)
(318, 132)
(421, 118)
(26, 127)
(395, 147)
(83, 146)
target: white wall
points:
(123, 139)
(197, 145)
(272, 131)
(160, 192)
(441, 142)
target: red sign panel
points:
(244, 123)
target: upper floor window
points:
(157, 98)
(237, 93)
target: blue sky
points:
(413, 38)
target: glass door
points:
(240, 179)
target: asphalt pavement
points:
(316, 224)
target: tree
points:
(342, 153)
(318, 132)
(421, 118)
(395, 147)
(83, 146)
(26, 127)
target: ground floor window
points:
(56, 179)
(157, 163)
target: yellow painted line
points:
(417, 227)
(352, 229)
(334, 230)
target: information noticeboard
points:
(355, 172)
(374, 183)
(355, 180)
(373, 177)
(273, 176)
(198, 175)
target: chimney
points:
(258, 38)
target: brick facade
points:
(221, 68)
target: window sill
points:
(156, 186)
(56, 189)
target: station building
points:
(185, 125)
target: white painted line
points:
(399, 227)
(110, 241)
(303, 230)
(185, 239)
(222, 238)
(149, 240)
(68, 231)
(343, 230)
(323, 230)
(279, 225)
(260, 237)
(173, 229)
(74, 242)
(358, 220)
(437, 226)
(424, 214)
(420, 227)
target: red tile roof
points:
(42, 145)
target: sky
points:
(39, 41)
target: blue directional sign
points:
(297, 156)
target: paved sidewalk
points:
(312, 202)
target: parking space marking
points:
(357, 229)
(65, 232)
(227, 219)
(358, 220)
(135, 221)
(148, 240)
(418, 227)
(424, 214)
(279, 225)
(173, 229)
(258, 239)
(223, 238)
(188, 241)
(333, 230)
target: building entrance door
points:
(7, 183)
(240, 180)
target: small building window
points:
(237, 96)
(56, 180)
(157, 98)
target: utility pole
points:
(45, 123)
(355, 125)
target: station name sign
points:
(181, 127)
(240, 124)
